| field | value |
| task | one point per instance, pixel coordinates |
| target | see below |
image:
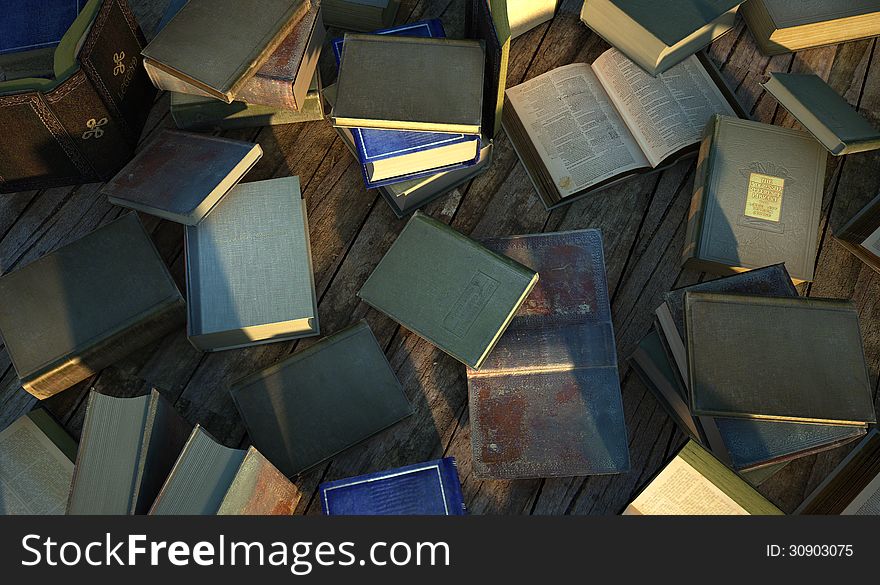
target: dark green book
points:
(861, 234)
(321, 401)
(786, 359)
(448, 289)
(76, 310)
(127, 448)
(757, 199)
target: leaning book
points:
(861, 234)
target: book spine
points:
(701, 184)
(268, 91)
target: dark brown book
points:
(853, 488)
(861, 234)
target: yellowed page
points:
(872, 243)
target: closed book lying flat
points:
(535, 403)
(861, 234)
(361, 15)
(853, 488)
(127, 448)
(34, 25)
(424, 489)
(461, 301)
(181, 176)
(410, 83)
(823, 112)
(322, 400)
(249, 275)
(786, 359)
(76, 310)
(209, 478)
(757, 199)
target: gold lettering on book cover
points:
(764, 198)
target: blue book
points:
(424, 489)
(35, 24)
(390, 156)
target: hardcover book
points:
(249, 275)
(360, 15)
(36, 464)
(209, 478)
(658, 35)
(83, 123)
(555, 368)
(410, 83)
(78, 309)
(853, 488)
(127, 448)
(212, 47)
(320, 401)
(33, 63)
(619, 123)
(36, 24)
(861, 234)
(524, 15)
(814, 373)
(757, 199)
(181, 176)
(424, 489)
(461, 301)
(823, 112)
(487, 21)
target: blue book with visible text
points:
(425, 489)
(35, 24)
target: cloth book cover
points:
(861, 234)
(181, 176)
(360, 15)
(461, 301)
(83, 124)
(487, 21)
(36, 24)
(524, 15)
(546, 402)
(249, 274)
(320, 401)
(78, 309)
(853, 487)
(424, 489)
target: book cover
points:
(524, 15)
(360, 15)
(36, 24)
(487, 21)
(424, 489)
(461, 301)
(861, 234)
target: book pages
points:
(867, 503)
(872, 243)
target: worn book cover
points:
(757, 199)
(76, 310)
(853, 487)
(320, 401)
(772, 358)
(534, 402)
(360, 15)
(861, 234)
(461, 301)
(181, 176)
(431, 488)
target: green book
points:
(487, 21)
(448, 289)
(823, 112)
(361, 15)
(757, 199)
(127, 448)
(776, 358)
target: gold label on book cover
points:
(764, 199)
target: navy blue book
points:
(36, 24)
(393, 156)
(424, 489)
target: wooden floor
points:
(351, 228)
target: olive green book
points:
(777, 358)
(823, 112)
(861, 234)
(757, 199)
(487, 21)
(448, 289)
(361, 15)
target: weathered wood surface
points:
(351, 228)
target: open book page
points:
(867, 503)
(578, 133)
(664, 113)
(34, 473)
(682, 490)
(872, 243)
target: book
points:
(212, 47)
(533, 403)
(645, 31)
(823, 112)
(78, 309)
(853, 487)
(360, 15)
(695, 483)
(37, 24)
(431, 488)
(462, 301)
(171, 11)
(430, 28)
(209, 478)
(249, 274)
(126, 451)
(320, 401)
(757, 199)
(36, 464)
(524, 15)
(180, 176)
(783, 26)
(861, 234)
(32, 63)
(487, 22)
(609, 121)
(410, 83)
(82, 124)
(786, 359)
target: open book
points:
(581, 128)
